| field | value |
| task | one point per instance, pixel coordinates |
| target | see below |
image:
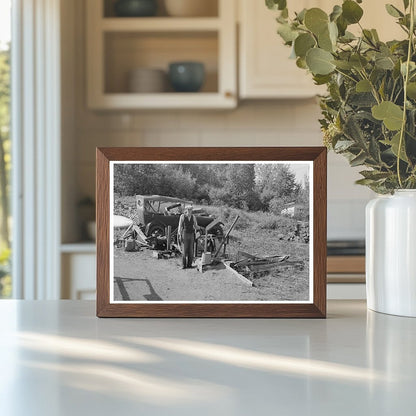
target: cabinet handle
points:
(229, 94)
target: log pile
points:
(255, 266)
(300, 233)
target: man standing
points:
(186, 232)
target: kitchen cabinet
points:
(78, 262)
(118, 45)
(265, 70)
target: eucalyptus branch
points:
(346, 75)
(392, 91)
(373, 88)
(406, 80)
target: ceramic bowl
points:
(135, 8)
(147, 80)
(186, 76)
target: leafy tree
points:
(303, 196)
(131, 179)
(238, 187)
(5, 159)
(276, 181)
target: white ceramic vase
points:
(391, 253)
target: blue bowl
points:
(187, 76)
(135, 8)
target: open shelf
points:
(80, 247)
(126, 51)
(168, 100)
(160, 24)
(210, 7)
(119, 45)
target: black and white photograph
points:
(211, 232)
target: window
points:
(5, 147)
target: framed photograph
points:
(211, 232)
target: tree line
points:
(253, 187)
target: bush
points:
(276, 205)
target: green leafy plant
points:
(5, 280)
(369, 112)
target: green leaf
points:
(281, 19)
(382, 89)
(363, 86)
(396, 70)
(388, 112)
(333, 32)
(368, 36)
(342, 25)
(343, 145)
(374, 175)
(336, 12)
(358, 160)
(384, 62)
(301, 15)
(347, 37)
(319, 61)
(287, 33)
(365, 182)
(393, 11)
(406, 4)
(345, 65)
(301, 63)
(394, 144)
(303, 43)
(411, 90)
(325, 42)
(321, 79)
(316, 20)
(353, 131)
(412, 67)
(362, 99)
(374, 150)
(358, 61)
(351, 11)
(375, 35)
(276, 4)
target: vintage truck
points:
(156, 213)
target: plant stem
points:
(405, 81)
(346, 75)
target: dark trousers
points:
(188, 249)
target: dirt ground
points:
(138, 276)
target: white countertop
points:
(57, 358)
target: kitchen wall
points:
(253, 123)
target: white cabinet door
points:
(265, 68)
(78, 276)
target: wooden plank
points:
(226, 236)
(241, 277)
(245, 255)
(168, 237)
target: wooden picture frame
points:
(314, 307)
